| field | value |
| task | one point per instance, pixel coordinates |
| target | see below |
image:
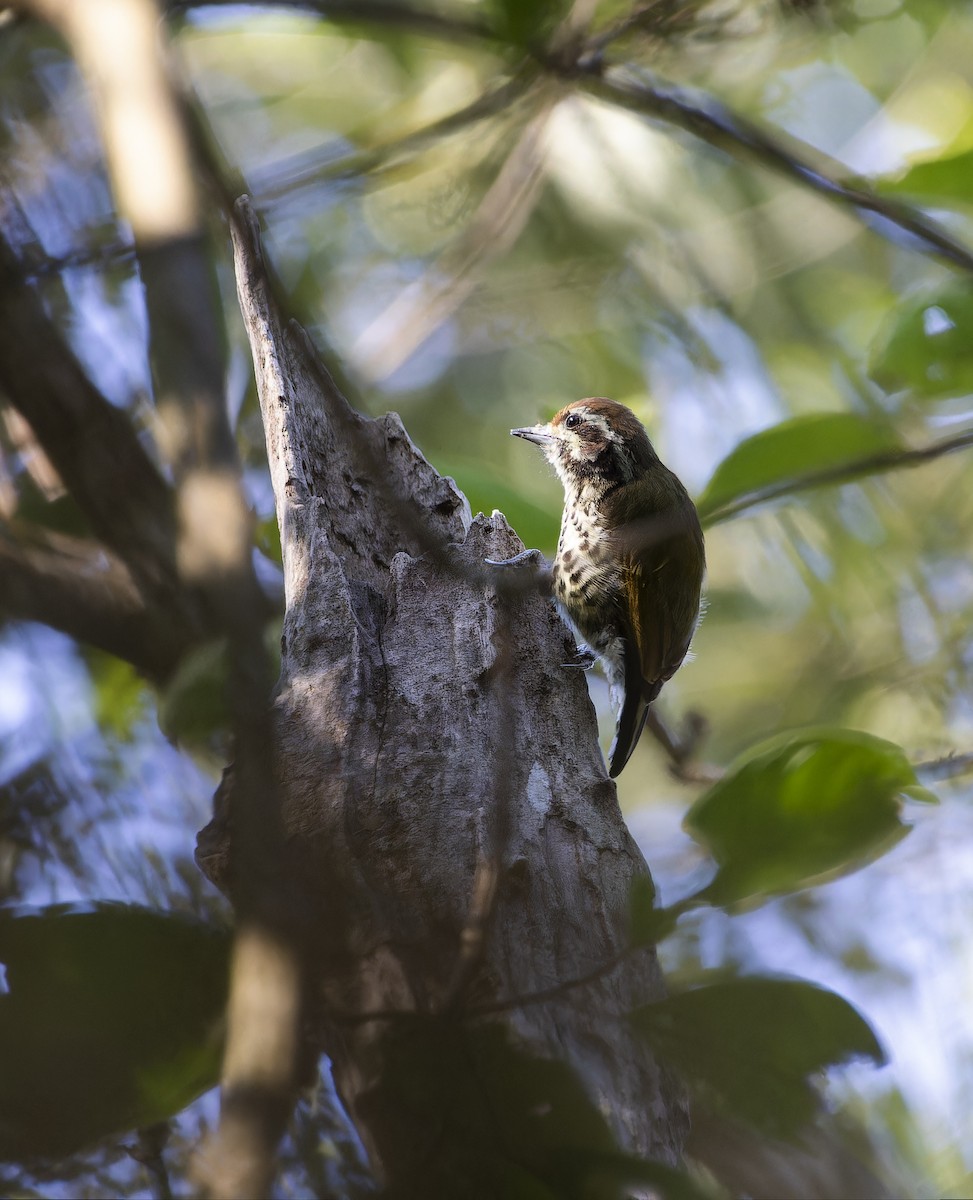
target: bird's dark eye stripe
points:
(572, 422)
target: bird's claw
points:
(533, 557)
(584, 660)
(533, 572)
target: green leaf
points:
(112, 1020)
(801, 808)
(648, 925)
(120, 693)
(926, 345)
(749, 1045)
(267, 538)
(642, 910)
(790, 450)
(193, 707)
(935, 180)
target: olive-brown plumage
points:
(629, 564)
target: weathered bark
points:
(449, 819)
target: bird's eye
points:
(572, 422)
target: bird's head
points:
(593, 440)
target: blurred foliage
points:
(554, 1140)
(193, 709)
(926, 349)
(112, 1021)
(751, 1045)
(800, 810)
(760, 330)
(940, 180)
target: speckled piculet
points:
(630, 558)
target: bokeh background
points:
(477, 272)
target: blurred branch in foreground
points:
(148, 151)
(99, 458)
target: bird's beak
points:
(539, 434)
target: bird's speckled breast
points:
(584, 581)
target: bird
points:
(630, 559)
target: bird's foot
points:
(584, 659)
(531, 571)
(534, 557)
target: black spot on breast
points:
(574, 578)
(569, 558)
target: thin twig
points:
(557, 991)
(949, 767)
(148, 1150)
(682, 747)
(499, 818)
(95, 257)
(425, 305)
(483, 897)
(640, 16)
(389, 154)
(541, 996)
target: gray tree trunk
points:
(455, 840)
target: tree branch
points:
(702, 116)
(90, 442)
(86, 591)
(714, 123)
(450, 826)
(148, 152)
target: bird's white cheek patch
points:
(553, 454)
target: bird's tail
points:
(630, 723)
